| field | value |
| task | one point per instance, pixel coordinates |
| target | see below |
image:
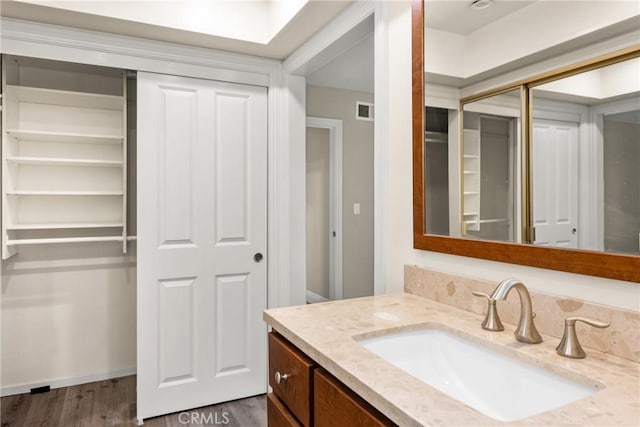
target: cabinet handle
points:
(569, 345)
(280, 378)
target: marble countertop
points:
(325, 333)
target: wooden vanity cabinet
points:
(310, 396)
(296, 391)
(335, 404)
(279, 415)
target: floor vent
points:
(43, 389)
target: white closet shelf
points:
(63, 226)
(43, 241)
(65, 162)
(471, 156)
(45, 136)
(64, 155)
(63, 193)
(471, 172)
(65, 97)
(471, 193)
(471, 213)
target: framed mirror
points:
(541, 170)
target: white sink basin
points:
(495, 384)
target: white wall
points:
(68, 311)
(398, 202)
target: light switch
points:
(356, 208)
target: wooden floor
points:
(113, 403)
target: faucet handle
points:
(491, 321)
(569, 345)
(481, 294)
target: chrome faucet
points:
(526, 330)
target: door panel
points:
(176, 143)
(202, 151)
(555, 183)
(231, 318)
(232, 174)
(175, 330)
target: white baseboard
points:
(313, 298)
(66, 382)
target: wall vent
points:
(364, 111)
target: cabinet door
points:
(336, 405)
(278, 415)
(295, 390)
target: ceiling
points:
(351, 70)
(268, 28)
(456, 16)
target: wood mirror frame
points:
(592, 263)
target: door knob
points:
(258, 257)
(574, 230)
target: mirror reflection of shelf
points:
(493, 221)
(63, 154)
(471, 174)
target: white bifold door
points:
(202, 237)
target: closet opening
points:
(68, 223)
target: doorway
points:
(343, 89)
(324, 209)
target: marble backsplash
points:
(621, 338)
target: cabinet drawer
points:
(336, 405)
(296, 391)
(278, 415)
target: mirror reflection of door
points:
(555, 183)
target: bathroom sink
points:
(499, 386)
